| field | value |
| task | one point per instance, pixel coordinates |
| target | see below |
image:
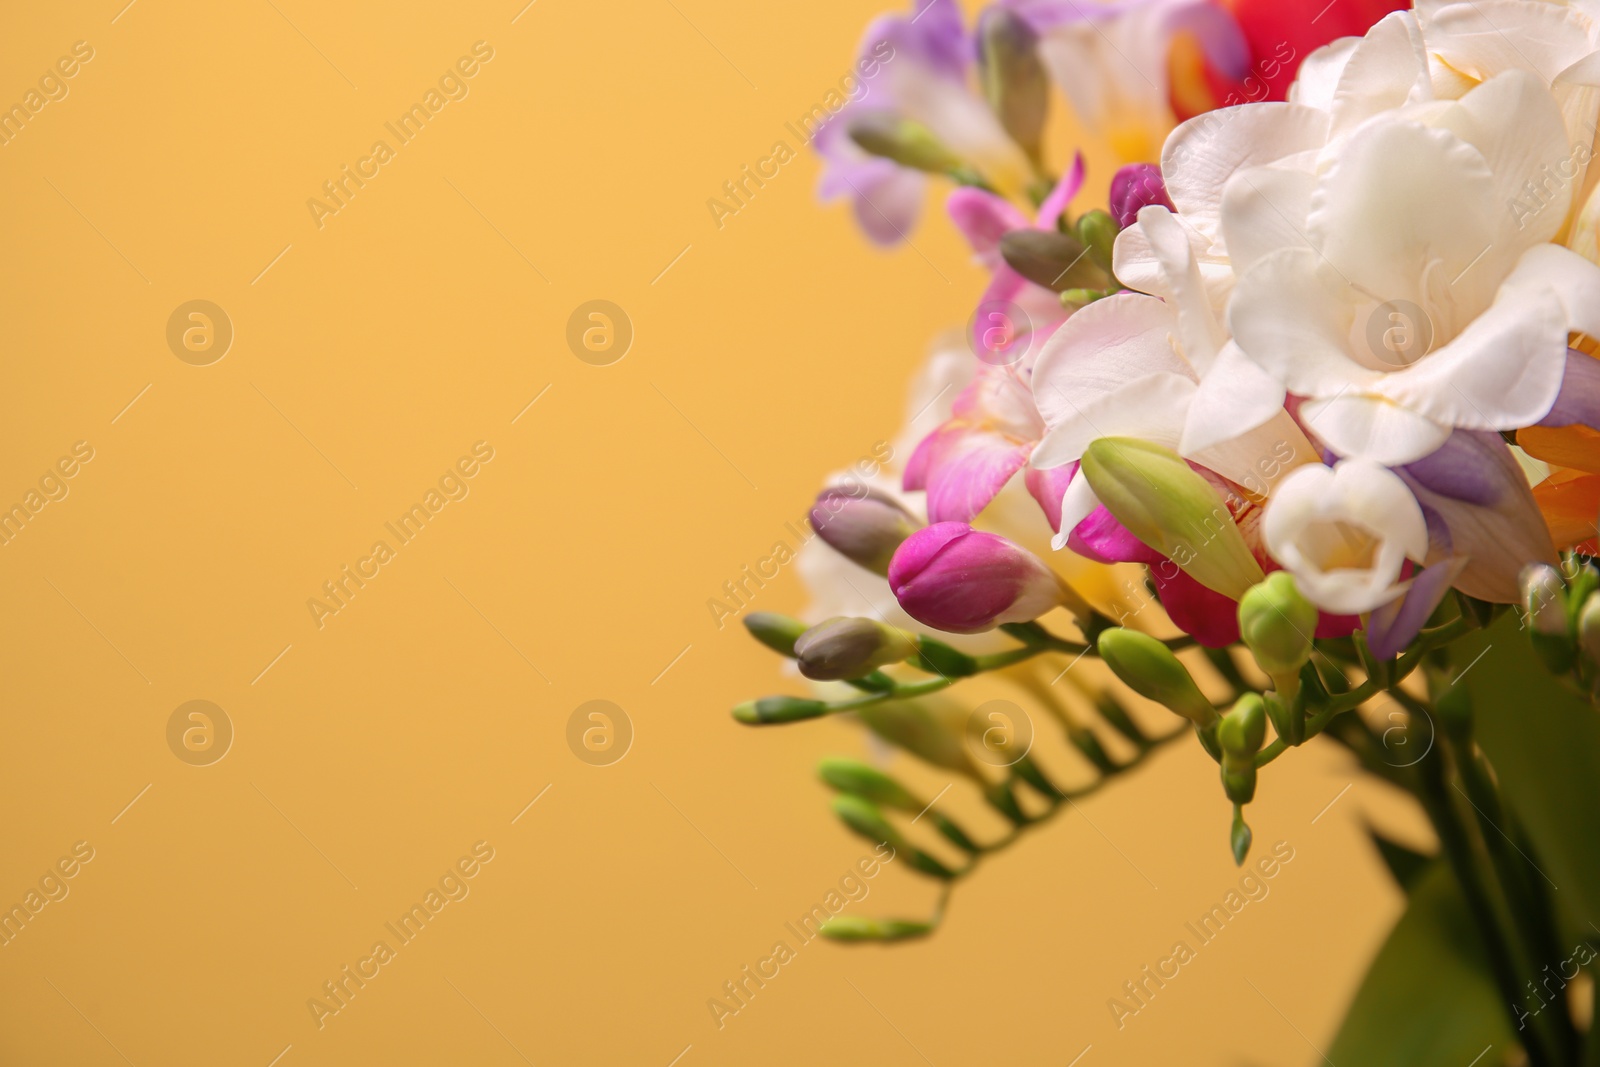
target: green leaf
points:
(1543, 739)
(1404, 863)
(1428, 999)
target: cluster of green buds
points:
(1561, 612)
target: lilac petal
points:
(1578, 403)
(933, 37)
(1391, 627)
(1474, 488)
(983, 218)
(1067, 188)
(1462, 470)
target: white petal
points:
(1516, 124)
(1574, 279)
(1203, 153)
(1100, 349)
(1319, 74)
(1484, 37)
(1265, 209)
(1198, 328)
(1235, 397)
(1150, 408)
(1136, 265)
(1316, 502)
(1292, 314)
(1502, 372)
(1387, 69)
(1398, 197)
(1076, 504)
(1373, 428)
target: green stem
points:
(1457, 844)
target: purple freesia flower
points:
(920, 67)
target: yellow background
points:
(371, 753)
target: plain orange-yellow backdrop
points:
(372, 752)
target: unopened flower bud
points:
(863, 928)
(1276, 623)
(844, 648)
(861, 780)
(1135, 186)
(863, 525)
(960, 580)
(777, 632)
(904, 141)
(1160, 499)
(778, 709)
(1589, 629)
(864, 818)
(1239, 836)
(1013, 76)
(1098, 232)
(1056, 261)
(1149, 668)
(1244, 729)
(1544, 601)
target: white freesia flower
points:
(1162, 370)
(1412, 298)
(1344, 533)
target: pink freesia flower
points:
(952, 577)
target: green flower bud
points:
(862, 928)
(1544, 601)
(844, 648)
(1589, 629)
(931, 728)
(777, 632)
(1013, 77)
(863, 817)
(1098, 232)
(1149, 668)
(1056, 261)
(858, 779)
(904, 141)
(1276, 623)
(1162, 501)
(1244, 729)
(1238, 780)
(1239, 836)
(778, 709)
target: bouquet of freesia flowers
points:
(1319, 386)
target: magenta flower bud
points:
(1135, 186)
(954, 578)
(861, 524)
